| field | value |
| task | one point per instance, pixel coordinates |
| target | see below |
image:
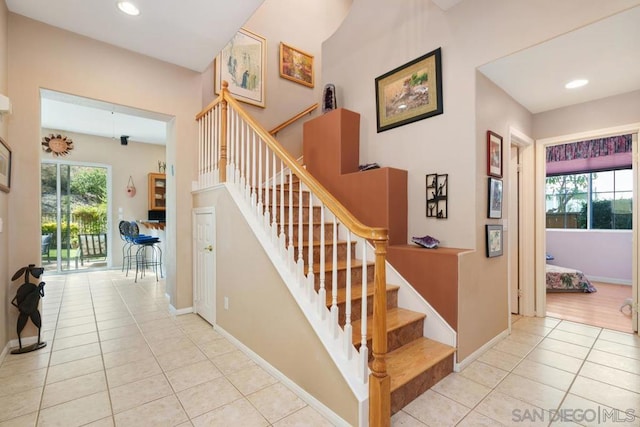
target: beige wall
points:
(613, 111)
(5, 274)
(135, 159)
(47, 57)
(303, 24)
(263, 314)
(470, 34)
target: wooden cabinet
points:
(157, 191)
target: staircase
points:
(414, 363)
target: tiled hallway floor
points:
(116, 357)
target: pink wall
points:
(600, 254)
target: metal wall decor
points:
(26, 301)
(437, 192)
(58, 145)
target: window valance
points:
(609, 153)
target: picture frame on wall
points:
(242, 63)
(494, 199)
(494, 154)
(5, 166)
(494, 240)
(296, 65)
(410, 92)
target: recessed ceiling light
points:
(576, 83)
(128, 8)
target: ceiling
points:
(607, 53)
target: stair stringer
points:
(307, 301)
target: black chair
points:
(147, 252)
(45, 246)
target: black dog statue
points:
(26, 301)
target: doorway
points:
(204, 264)
(74, 217)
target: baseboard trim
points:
(459, 366)
(610, 280)
(335, 419)
(177, 312)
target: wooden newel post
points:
(379, 380)
(223, 132)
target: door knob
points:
(209, 248)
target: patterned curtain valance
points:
(594, 155)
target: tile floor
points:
(116, 357)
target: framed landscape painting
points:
(5, 166)
(410, 92)
(242, 64)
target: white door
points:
(204, 263)
(514, 235)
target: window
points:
(594, 200)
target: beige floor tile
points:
(619, 349)
(111, 315)
(19, 404)
(134, 371)
(613, 376)
(251, 379)
(161, 346)
(72, 314)
(208, 396)
(119, 358)
(76, 321)
(620, 337)
(402, 419)
(545, 374)
(73, 388)
(573, 338)
(579, 328)
(28, 420)
(563, 347)
(434, 409)
(613, 360)
(475, 419)
(166, 411)
(33, 361)
(121, 332)
(151, 316)
(556, 360)
(163, 334)
(74, 341)
(533, 392)
(192, 375)
(77, 412)
(22, 382)
(138, 393)
(74, 369)
(524, 337)
(179, 358)
(484, 374)
(462, 390)
(510, 411)
(237, 413)
(115, 323)
(586, 412)
(276, 402)
(606, 394)
(499, 359)
(305, 417)
(216, 347)
(513, 347)
(74, 353)
(229, 363)
(160, 324)
(124, 343)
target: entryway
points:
(204, 263)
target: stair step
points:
(341, 270)
(416, 367)
(356, 301)
(328, 250)
(403, 326)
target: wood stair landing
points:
(414, 363)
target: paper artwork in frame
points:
(410, 92)
(494, 240)
(296, 65)
(494, 154)
(5, 166)
(495, 198)
(242, 64)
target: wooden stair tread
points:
(356, 293)
(341, 265)
(396, 318)
(414, 358)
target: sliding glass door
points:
(74, 220)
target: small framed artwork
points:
(296, 65)
(437, 193)
(5, 166)
(494, 202)
(494, 154)
(410, 92)
(494, 240)
(242, 63)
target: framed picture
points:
(495, 198)
(296, 65)
(494, 154)
(410, 92)
(242, 64)
(5, 166)
(494, 240)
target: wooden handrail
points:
(298, 116)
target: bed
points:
(562, 279)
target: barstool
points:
(148, 253)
